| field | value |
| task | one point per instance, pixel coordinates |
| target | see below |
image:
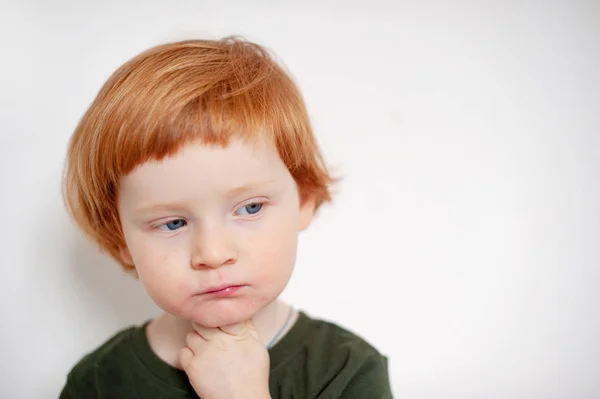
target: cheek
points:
(155, 257)
(151, 262)
(274, 251)
(161, 274)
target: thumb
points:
(252, 329)
(237, 329)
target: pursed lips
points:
(221, 288)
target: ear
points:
(126, 256)
(307, 209)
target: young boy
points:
(195, 168)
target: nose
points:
(213, 247)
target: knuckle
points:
(190, 338)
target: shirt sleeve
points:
(66, 393)
(78, 386)
(369, 380)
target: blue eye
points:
(173, 225)
(250, 209)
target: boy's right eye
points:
(172, 225)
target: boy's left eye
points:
(172, 225)
(250, 209)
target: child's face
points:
(210, 217)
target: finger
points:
(185, 357)
(252, 329)
(236, 330)
(194, 341)
(208, 333)
(203, 335)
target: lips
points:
(222, 289)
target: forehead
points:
(198, 168)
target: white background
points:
(464, 238)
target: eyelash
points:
(261, 205)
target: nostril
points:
(212, 264)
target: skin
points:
(206, 217)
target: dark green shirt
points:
(315, 359)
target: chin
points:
(222, 312)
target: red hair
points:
(174, 94)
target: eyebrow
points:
(247, 187)
(170, 206)
(167, 206)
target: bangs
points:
(168, 97)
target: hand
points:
(226, 362)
